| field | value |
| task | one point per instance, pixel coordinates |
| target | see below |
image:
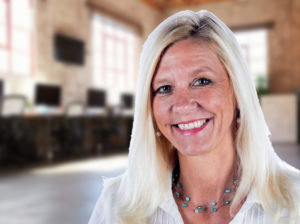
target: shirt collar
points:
(169, 205)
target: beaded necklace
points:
(214, 206)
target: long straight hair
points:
(145, 184)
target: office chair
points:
(75, 109)
(12, 105)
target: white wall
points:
(280, 112)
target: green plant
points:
(261, 84)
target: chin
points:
(193, 152)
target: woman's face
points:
(193, 101)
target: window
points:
(114, 57)
(16, 37)
(254, 47)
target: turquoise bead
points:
(213, 204)
(235, 181)
(200, 207)
(184, 204)
(227, 191)
(213, 209)
(179, 185)
(177, 194)
(227, 202)
(196, 211)
(187, 198)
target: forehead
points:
(187, 56)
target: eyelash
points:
(203, 82)
(207, 81)
(158, 91)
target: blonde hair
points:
(146, 182)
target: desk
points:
(105, 134)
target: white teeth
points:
(192, 125)
(181, 126)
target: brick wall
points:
(69, 17)
(73, 18)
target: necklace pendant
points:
(227, 191)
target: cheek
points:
(209, 100)
(159, 112)
(228, 110)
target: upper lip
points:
(190, 121)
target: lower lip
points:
(191, 131)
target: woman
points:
(200, 149)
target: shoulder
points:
(104, 211)
(293, 176)
(292, 173)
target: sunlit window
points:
(16, 37)
(114, 57)
(254, 46)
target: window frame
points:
(9, 27)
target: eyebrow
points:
(194, 72)
(160, 81)
(200, 70)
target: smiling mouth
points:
(192, 125)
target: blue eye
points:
(163, 89)
(201, 82)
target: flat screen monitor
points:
(96, 98)
(1, 88)
(48, 95)
(68, 49)
(127, 100)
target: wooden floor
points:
(66, 193)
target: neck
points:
(204, 177)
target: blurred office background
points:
(68, 72)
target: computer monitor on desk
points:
(96, 102)
(127, 101)
(1, 88)
(48, 99)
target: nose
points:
(184, 103)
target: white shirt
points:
(251, 211)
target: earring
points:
(158, 133)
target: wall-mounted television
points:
(127, 100)
(49, 95)
(68, 49)
(1, 88)
(96, 98)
